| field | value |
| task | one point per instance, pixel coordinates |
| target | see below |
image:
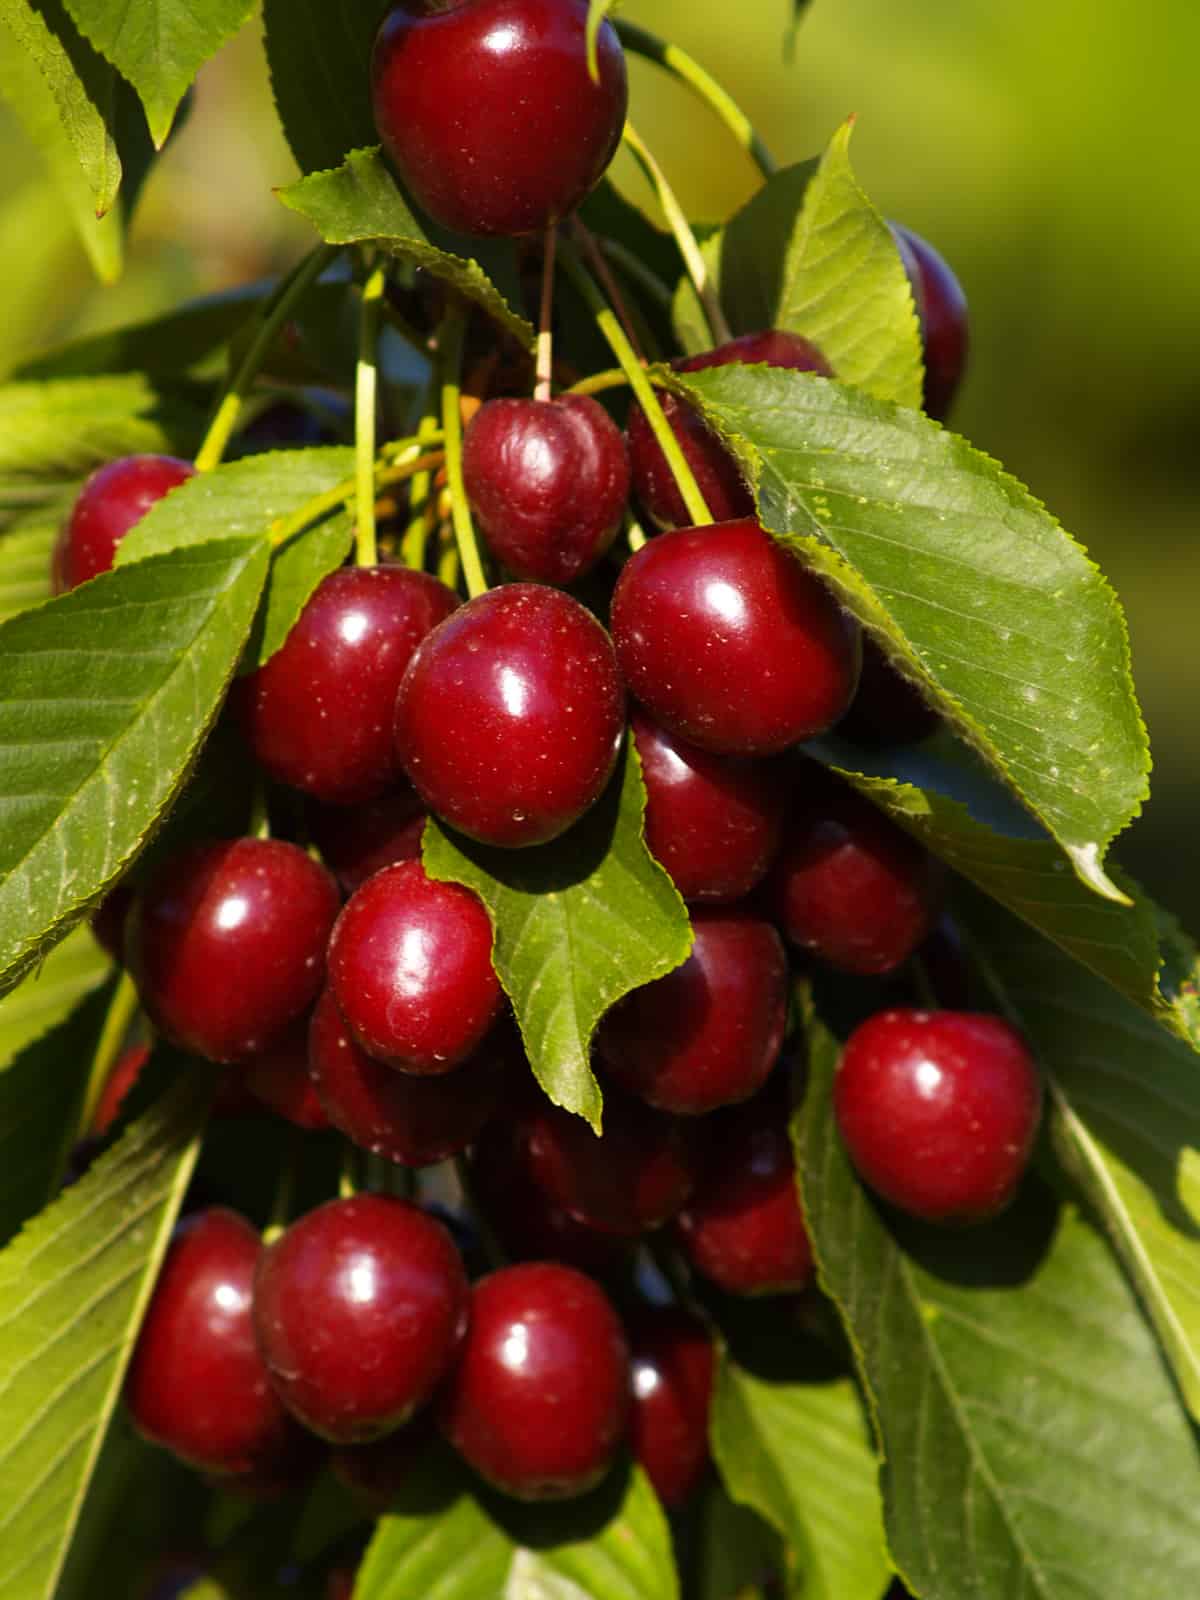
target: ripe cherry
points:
(717, 474)
(671, 1360)
(538, 1401)
(318, 714)
(359, 1308)
(888, 708)
(939, 1110)
(120, 1081)
(227, 944)
(109, 918)
(196, 1382)
(730, 643)
(279, 1079)
(548, 482)
(356, 842)
(410, 965)
(707, 1034)
(942, 309)
(488, 110)
(376, 1472)
(510, 715)
(112, 501)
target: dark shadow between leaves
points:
(1004, 1253)
(544, 1524)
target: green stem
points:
(343, 493)
(613, 378)
(350, 1172)
(544, 371)
(607, 322)
(271, 319)
(450, 347)
(121, 1011)
(635, 535)
(285, 1187)
(366, 389)
(415, 544)
(636, 269)
(676, 61)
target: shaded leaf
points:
(26, 549)
(48, 995)
(738, 1552)
(296, 570)
(319, 56)
(68, 426)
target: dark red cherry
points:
(938, 1111)
(227, 944)
(279, 1079)
(730, 643)
(942, 309)
(197, 1383)
(376, 1472)
(356, 842)
(318, 715)
(411, 1120)
(713, 822)
(887, 708)
(849, 885)
(671, 1361)
(359, 1308)
(708, 1033)
(488, 110)
(510, 715)
(109, 918)
(717, 474)
(538, 1401)
(112, 500)
(743, 1228)
(410, 965)
(547, 481)
(117, 1085)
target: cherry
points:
(510, 715)
(538, 1401)
(730, 643)
(359, 1308)
(411, 1120)
(109, 918)
(278, 1078)
(356, 842)
(743, 1228)
(708, 1033)
(489, 113)
(548, 482)
(120, 1081)
(671, 1361)
(888, 708)
(849, 885)
(717, 474)
(410, 965)
(942, 309)
(196, 1382)
(227, 944)
(938, 1110)
(112, 500)
(713, 822)
(377, 1471)
(318, 714)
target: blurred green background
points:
(1046, 146)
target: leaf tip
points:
(1089, 868)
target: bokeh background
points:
(1048, 147)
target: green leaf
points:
(738, 1551)
(67, 427)
(73, 1287)
(361, 203)
(448, 1539)
(70, 972)
(159, 45)
(578, 923)
(965, 580)
(296, 570)
(319, 55)
(26, 550)
(689, 320)
(105, 697)
(1033, 1442)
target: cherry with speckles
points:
(114, 499)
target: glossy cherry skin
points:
(942, 309)
(547, 481)
(849, 885)
(707, 1034)
(510, 716)
(359, 1308)
(318, 714)
(196, 1382)
(279, 1080)
(488, 111)
(538, 1401)
(411, 1120)
(714, 822)
(672, 1362)
(730, 643)
(410, 965)
(356, 842)
(227, 944)
(717, 474)
(938, 1110)
(112, 501)
(888, 709)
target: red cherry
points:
(227, 944)
(939, 1110)
(538, 1400)
(942, 309)
(196, 1382)
(112, 501)
(109, 918)
(510, 715)
(359, 1307)
(730, 643)
(278, 1078)
(888, 709)
(410, 964)
(356, 842)
(376, 1472)
(671, 1361)
(117, 1085)
(488, 110)
(318, 714)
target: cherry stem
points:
(695, 263)
(677, 62)
(613, 378)
(350, 1172)
(366, 393)
(422, 504)
(611, 287)
(122, 1009)
(635, 535)
(450, 348)
(634, 267)
(271, 319)
(343, 493)
(641, 386)
(545, 339)
(285, 1187)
